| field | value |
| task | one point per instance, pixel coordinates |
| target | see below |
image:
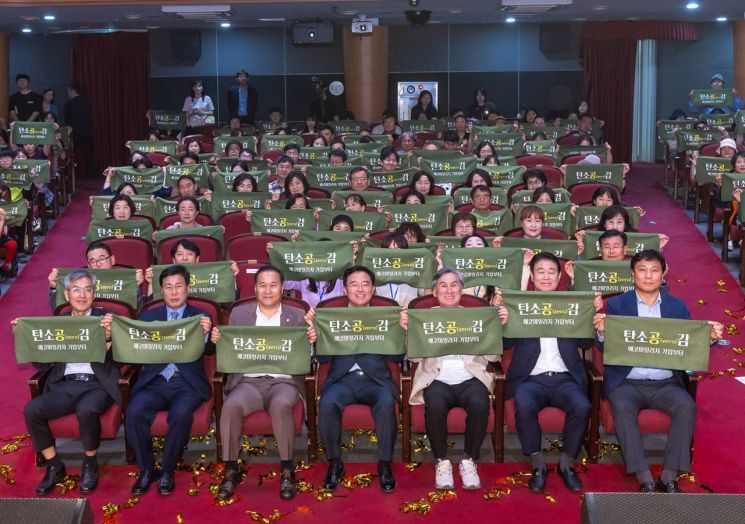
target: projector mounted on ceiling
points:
(532, 6)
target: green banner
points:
(420, 126)
(34, 133)
(552, 133)
(212, 280)
(359, 330)
(525, 196)
(740, 122)
(556, 314)
(708, 167)
(446, 242)
(272, 142)
(100, 207)
(324, 204)
(730, 182)
(168, 120)
(246, 142)
(329, 178)
(711, 97)
(111, 284)
(99, 229)
(158, 342)
(556, 216)
(495, 220)
(164, 208)
(561, 248)
(341, 127)
(341, 236)
(268, 127)
(486, 266)
(666, 129)
(367, 221)
(605, 173)
(606, 277)
(413, 266)
(215, 232)
(662, 343)
(39, 170)
(144, 180)
(200, 173)
(438, 332)
(222, 181)
(321, 261)
(228, 202)
(692, 140)
(59, 339)
(356, 138)
(462, 196)
(312, 154)
(372, 198)
(430, 217)
(16, 212)
(282, 222)
(259, 349)
(509, 144)
(19, 178)
(565, 151)
(716, 120)
(505, 176)
(392, 179)
(541, 147)
(368, 153)
(635, 242)
(168, 147)
(453, 168)
(589, 216)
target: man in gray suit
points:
(252, 392)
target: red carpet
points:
(694, 274)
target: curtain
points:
(113, 71)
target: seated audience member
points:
(442, 383)
(481, 199)
(461, 130)
(412, 197)
(389, 127)
(86, 389)
(358, 379)
(337, 157)
(531, 222)
(612, 248)
(388, 159)
(533, 179)
(187, 208)
(484, 149)
(408, 142)
(423, 182)
(292, 150)
(401, 293)
(463, 224)
(10, 245)
(178, 388)
(250, 392)
(451, 140)
(412, 232)
(424, 108)
(717, 83)
(544, 195)
(479, 177)
(121, 207)
(359, 180)
(631, 389)
(284, 166)
(616, 217)
(481, 108)
(186, 186)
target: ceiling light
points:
(349, 12)
(26, 30)
(132, 17)
(49, 17)
(599, 7)
(721, 19)
(510, 19)
(455, 11)
(271, 19)
(225, 25)
(691, 5)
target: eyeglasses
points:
(81, 290)
(98, 261)
(359, 285)
(359, 179)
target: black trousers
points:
(558, 391)
(357, 389)
(88, 400)
(439, 398)
(83, 151)
(180, 400)
(665, 395)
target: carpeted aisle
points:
(694, 273)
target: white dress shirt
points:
(647, 311)
(263, 320)
(75, 368)
(549, 358)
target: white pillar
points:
(645, 102)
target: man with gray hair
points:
(87, 389)
(442, 383)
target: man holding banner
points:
(86, 389)
(178, 388)
(549, 371)
(250, 392)
(631, 388)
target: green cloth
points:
(359, 330)
(228, 202)
(372, 198)
(367, 221)
(565, 151)
(158, 342)
(430, 217)
(437, 332)
(100, 207)
(589, 216)
(222, 181)
(708, 167)
(347, 126)
(59, 339)
(662, 343)
(486, 266)
(16, 212)
(508, 144)
(462, 196)
(39, 170)
(666, 128)
(246, 142)
(356, 138)
(168, 147)
(271, 142)
(715, 120)
(692, 140)
(282, 222)
(314, 153)
(342, 236)
(393, 179)
(215, 232)
(446, 241)
(497, 221)
(635, 242)
(212, 280)
(99, 229)
(111, 284)
(453, 168)
(329, 178)
(595, 173)
(505, 176)
(420, 126)
(42, 133)
(525, 196)
(321, 261)
(413, 266)
(740, 122)
(552, 133)
(604, 276)
(200, 173)
(262, 349)
(561, 248)
(540, 147)
(555, 314)
(711, 97)
(168, 120)
(16, 178)
(556, 216)
(730, 182)
(368, 153)
(144, 180)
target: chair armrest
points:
(128, 375)
(593, 373)
(218, 378)
(496, 368)
(692, 384)
(37, 381)
(405, 367)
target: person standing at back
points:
(24, 104)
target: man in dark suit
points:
(180, 389)
(631, 389)
(358, 379)
(549, 372)
(242, 99)
(86, 389)
(250, 392)
(78, 116)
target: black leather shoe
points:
(571, 479)
(387, 482)
(88, 478)
(51, 477)
(670, 487)
(646, 487)
(230, 481)
(166, 483)
(287, 485)
(333, 476)
(537, 480)
(143, 482)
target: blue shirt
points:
(647, 311)
(242, 101)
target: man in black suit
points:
(78, 117)
(180, 389)
(86, 389)
(549, 372)
(242, 99)
(358, 379)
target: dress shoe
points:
(570, 478)
(646, 487)
(166, 483)
(230, 481)
(287, 484)
(387, 482)
(333, 476)
(670, 487)
(537, 480)
(143, 482)
(51, 477)
(88, 478)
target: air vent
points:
(198, 12)
(531, 7)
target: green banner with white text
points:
(486, 266)
(59, 339)
(42, 133)
(211, 280)
(262, 349)
(282, 222)
(561, 248)
(317, 260)
(556, 314)
(438, 332)
(604, 276)
(158, 342)
(99, 229)
(111, 284)
(413, 266)
(359, 330)
(635, 242)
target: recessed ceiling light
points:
(510, 19)
(225, 25)
(26, 30)
(633, 19)
(721, 19)
(692, 5)
(579, 19)
(49, 17)
(599, 7)
(29, 18)
(152, 27)
(132, 16)
(271, 19)
(350, 12)
(455, 11)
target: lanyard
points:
(390, 290)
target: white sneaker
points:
(444, 475)
(469, 476)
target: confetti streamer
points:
(303, 486)
(16, 443)
(226, 502)
(258, 517)
(322, 494)
(701, 301)
(691, 477)
(5, 472)
(496, 493)
(267, 476)
(110, 509)
(420, 506)
(302, 466)
(179, 518)
(411, 466)
(68, 483)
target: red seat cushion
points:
(651, 421)
(67, 426)
(260, 423)
(456, 420)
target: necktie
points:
(170, 369)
